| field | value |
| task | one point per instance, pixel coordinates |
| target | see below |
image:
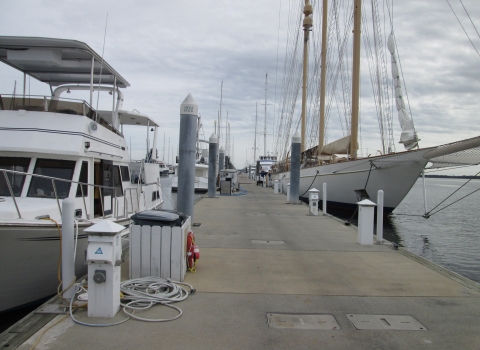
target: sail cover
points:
(409, 136)
(340, 146)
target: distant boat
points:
(349, 177)
(164, 169)
(52, 148)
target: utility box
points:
(365, 222)
(226, 187)
(104, 258)
(276, 187)
(158, 244)
(313, 195)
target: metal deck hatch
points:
(302, 321)
(386, 322)
(266, 242)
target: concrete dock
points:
(264, 259)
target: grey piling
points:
(221, 159)
(68, 265)
(212, 162)
(186, 161)
(257, 171)
(295, 170)
(380, 217)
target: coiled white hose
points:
(146, 292)
(143, 293)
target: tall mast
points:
(255, 139)
(307, 24)
(357, 21)
(265, 122)
(220, 115)
(323, 76)
(227, 138)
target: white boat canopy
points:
(58, 61)
(129, 118)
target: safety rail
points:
(134, 210)
(70, 106)
(53, 179)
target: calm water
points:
(450, 238)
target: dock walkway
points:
(261, 256)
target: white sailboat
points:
(52, 148)
(348, 176)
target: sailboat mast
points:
(255, 140)
(265, 121)
(323, 76)
(357, 21)
(307, 24)
(220, 115)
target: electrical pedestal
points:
(104, 257)
(313, 201)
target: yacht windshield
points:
(42, 187)
(16, 180)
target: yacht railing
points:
(100, 187)
(55, 105)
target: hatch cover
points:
(386, 322)
(302, 321)
(266, 242)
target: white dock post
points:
(68, 249)
(288, 192)
(380, 217)
(365, 222)
(324, 199)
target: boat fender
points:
(193, 252)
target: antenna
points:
(101, 68)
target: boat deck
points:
(247, 273)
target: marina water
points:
(451, 237)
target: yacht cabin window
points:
(42, 187)
(125, 173)
(117, 181)
(16, 180)
(83, 178)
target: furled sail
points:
(409, 136)
(340, 146)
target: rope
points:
(368, 178)
(461, 25)
(310, 184)
(428, 214)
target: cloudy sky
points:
(167, 49)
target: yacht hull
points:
(30, 258)
(345, 180)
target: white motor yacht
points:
(52, 148)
